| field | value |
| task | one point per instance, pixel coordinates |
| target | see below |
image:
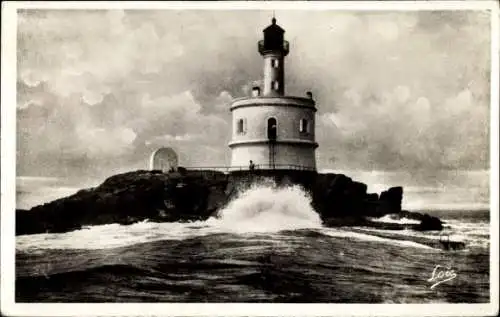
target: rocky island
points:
(188, 195)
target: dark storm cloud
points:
(99, 90)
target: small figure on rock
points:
(252, 165)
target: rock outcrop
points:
(196, 195)
(128, 198)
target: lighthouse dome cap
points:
(274, 27)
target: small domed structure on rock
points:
(164, 159)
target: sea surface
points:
(268, 245)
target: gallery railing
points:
(257, 167)
(270, 46)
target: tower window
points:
(275, 63)
(241, 126)
(304, 126)
(276, 85)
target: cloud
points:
(99, 142)
(395, 90)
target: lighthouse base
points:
(274, 156)
(241, 180)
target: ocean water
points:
(267, 245)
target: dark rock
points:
(429, 223)
(336, 195)
(411, 215)
(371, 204)
(390, 201)
(182, 170)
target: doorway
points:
(272, 128)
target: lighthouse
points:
(272, 130)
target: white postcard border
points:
(8, 131)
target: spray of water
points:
(267, 208)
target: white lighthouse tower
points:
(274, 131)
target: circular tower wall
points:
(290, 144)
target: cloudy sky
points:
(98, 91)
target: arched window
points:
(276, 85)
(304, 126)
(272, 128)
(274, 63)
(241, 126)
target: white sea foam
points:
(269, 209)
(391, 219)
(110, 236)
(341, 233)
(477, 237)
